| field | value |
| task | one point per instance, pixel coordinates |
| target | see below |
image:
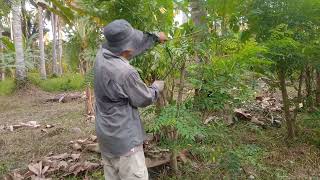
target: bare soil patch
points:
(19, 147)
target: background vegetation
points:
(221, 56)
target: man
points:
(119, 93)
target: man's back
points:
(118, 124)
(119, 92)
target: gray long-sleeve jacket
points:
(119, 93)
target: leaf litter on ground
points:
(28, 125)
(66, 164)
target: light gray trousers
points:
(131, 167)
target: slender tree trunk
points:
(58, 40)
(2, 69)
(174, 161)
(299, 96)
(43, 72)
(172, 90)
(181, 86)
(309, 87)
(11, 26)
(89, 101)
(318, 88)
(60, 46)
(84, 67)
(198, 16)
(286, 104)
(224, 20)
(174, 154)
(54, 45)
(18, 42)
(197, 12)
(11, 37)
(298, 102)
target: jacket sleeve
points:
(148, 41)
(138, 93)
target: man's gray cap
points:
(122, 36)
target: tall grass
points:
(67, 82)
(7, 87)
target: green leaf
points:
(9, 45)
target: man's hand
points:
(159, 85)
(162, 37)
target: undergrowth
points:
(3, 169)
(245, 151)
(7, 87)
(310, 128)
(68, 82)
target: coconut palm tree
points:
(1, 54)
(18, 42)
(54, 44)
(41, 43)
(4, 11)
(59, 45)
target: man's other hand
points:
(162, 37)
(159, 85)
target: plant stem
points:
(318, 88)
(286, 104)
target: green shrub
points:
(311, 128)
(7, 87)
(233, 160)
(186, 123)
(68, 82)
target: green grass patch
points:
(3, 169)
(310, 128)
(67, 82)
(7, 87)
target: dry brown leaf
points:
(76, 168)
(39, 178)
(183, 156)
(13, 176)
(61, 98)
(45, 169)
(76, 146)
(241, 113)
(89, 166)
(32, 124)
(257, 122)
(34, 168)
(44, 130)
(75, 156)
(60, 156)
(209, 119)
(93, 147)
(157, 162)
(62, 164)
(38, 170)
(91, 118)
(93, 138)
(82, 166)
(49, 126)
(82, 141)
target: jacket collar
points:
(108, 54)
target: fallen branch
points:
(66, 97)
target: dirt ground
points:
(20, 147)
(23, 145)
